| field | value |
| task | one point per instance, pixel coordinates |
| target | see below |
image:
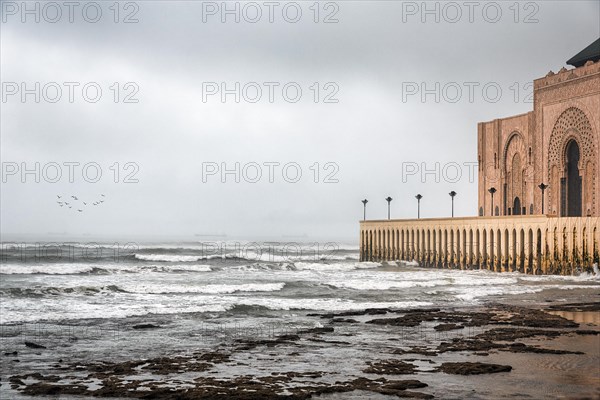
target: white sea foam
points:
(181, 267)
(583, 277)
(149, 288)
(319, 304)
(167, 257)
(411, 263)
(50, 269)
(341, 266)
(357, 284)
(78, 310)
(475, 293)
(250, 256)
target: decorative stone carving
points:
(573, 124)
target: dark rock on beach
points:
(390, 367)
(470, 368)
(34, 345)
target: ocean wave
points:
(357, 284)
(168, 258)
(318, 304)
(83, 311)
(473, 294)
(82, 268)
(582, 277)
(341, 266)
(246, 255)
(205, 289)
(58, 291)
(175, 268)
(48, 269)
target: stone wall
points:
(536, 244)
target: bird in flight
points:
(58, 196)
(102, 195)
(80, 210)
(84, 203)
(74, 197)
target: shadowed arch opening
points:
(517, 206)
(572, 186)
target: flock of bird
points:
(74, 201)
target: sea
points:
(84, 299)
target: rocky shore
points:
(462, 343)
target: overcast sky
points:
(372, 61)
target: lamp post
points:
(543, 187)
(388, 199)
(365, 201)
(418, 197)
(492, 190)
(452, 194)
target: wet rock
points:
(145, 326)
(511, 334)
(34, 345)
(344, 320)
(523, 348)
(46, 389)
(413, 318)
(576, 307)
(447, 327)
(521, 316)
(368, 311)
(424, 351)
(390, 367)
(337, 342)
(248, 344)
(325, 329)
(472, 368)
(587, 332)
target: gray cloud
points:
(369, 134)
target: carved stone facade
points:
(558, 144)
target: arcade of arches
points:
(534, 244)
